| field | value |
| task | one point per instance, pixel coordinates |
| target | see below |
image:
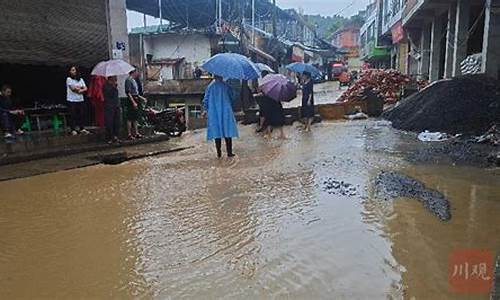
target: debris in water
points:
(114, 158)
(391, 185)
(492, 136)
(427, 136)
(336, 187)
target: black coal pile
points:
(391, 185)
(468, 104)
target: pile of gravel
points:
(392, 185)
(468, 104)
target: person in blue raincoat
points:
(221, 123)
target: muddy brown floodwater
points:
(263, 225)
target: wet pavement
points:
(296, 218)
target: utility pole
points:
(160, 13)
(187, 16)
(275, 30)
(253, 22)
(220, 13)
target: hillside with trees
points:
(327, 25)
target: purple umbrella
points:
(277, 87)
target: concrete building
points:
(347, 37)
(393, 33)
(347, 40)
(297, 29)
(374, 47)
(168, 59)
(444, 33)
(172, 54)
(42, 39)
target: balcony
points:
(414, 11)
(387, 27)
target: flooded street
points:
(263, 225)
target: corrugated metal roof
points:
(53, 32)
(201, 13)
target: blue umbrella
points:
(299, 67)
(231, 66)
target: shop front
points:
(377, 56)
(41, 40)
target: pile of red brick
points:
(386, 83)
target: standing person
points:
(8, 114)
(246, 96)
(307, 109)
(263, 105)
(197, 72)
(272, 112)
(133, 96)
(344, 79)
(76, 88)
(112, 109)
(275, 118)
(97, 99)
(221, 122)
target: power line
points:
(345, 8)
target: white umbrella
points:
(114, 67)
(264, 67)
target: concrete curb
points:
(97, 160)
(7, 160)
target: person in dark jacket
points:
(307, 109)
(272, 113)
(263, 105)
(112, 109)
(8, 114)
(275, 118)
(134, 104)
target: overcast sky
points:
(323, 7)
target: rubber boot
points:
(229, 147)
(218, 147)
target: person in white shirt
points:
(76, 88)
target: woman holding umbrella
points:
(272, 91)
(221, 123)
(112, 111)
(275, 119)
(218, 97)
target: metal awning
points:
(167, 61)
(202, 13)
(261, 53)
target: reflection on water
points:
(261, 225)
(423, 244)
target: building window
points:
(194, 111)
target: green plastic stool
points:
(56, 123)
(26, 124)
